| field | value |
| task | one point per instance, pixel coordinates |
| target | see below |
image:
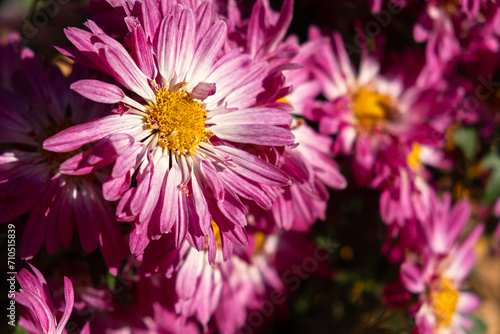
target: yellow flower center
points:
(451, 6)
(414, 156)
(370, 107)
(282, 100)
(444, 301)
(179, 121)
(260, 238)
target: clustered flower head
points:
(204, 148)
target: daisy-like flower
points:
(313, 170)
(262, 35)
(368, 110)
(308, 162)
(37, 308)
(224, 291)
(438, 273)
(179, 139)
(390, 126)
(39, 104)
(466, 31)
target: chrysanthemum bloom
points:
(38, 105)
(389, 125)
(450, 28)
(262, 35)
(480, 40)
(313, 170)
(369, 110)
(224, 291)
(466, 31)
(308, 162)
(406, 195)
(442, 266)
(179, 138)
(37, 308)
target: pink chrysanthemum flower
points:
(443, 265)
(369, 110)
(313, 170)
(37, 308)
(390, 126)
(308, 162)
(262, 35)
(224, 291)
(179, 138)
(39, 104)
(466, 31)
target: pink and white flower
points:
(390, 126)
(37, 308)
(223, 291)
(438, 272)
(308, 161)
(179, 138)
(36, 104)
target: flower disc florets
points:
(444, 302)
(178, 119)
(371, 107)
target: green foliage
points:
(19, 330)
(111, 280)
(492, 191)
(479, 325)
(466, 139)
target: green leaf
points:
(492, 191)
(20, 330)
(466, 139)
(479, 325)
(111, 280)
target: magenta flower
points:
(308, 162)
(390, 126)
(368, 110)
(37, 309)
(443, 265)
(465, 30)
(305, 200)
(38, 105)
(180, 138)
(262, 35)
(224, 291)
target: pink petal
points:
(254, 134)
(411, 277)
(254, 167)
(79, 135)
(69, 298)
(98, 91)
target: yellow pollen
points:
(451, 6)
(260, 238)
(216, 230)
(282, 100)
(444, 301)
(414, 156)
(370, 107)
(178, 120)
